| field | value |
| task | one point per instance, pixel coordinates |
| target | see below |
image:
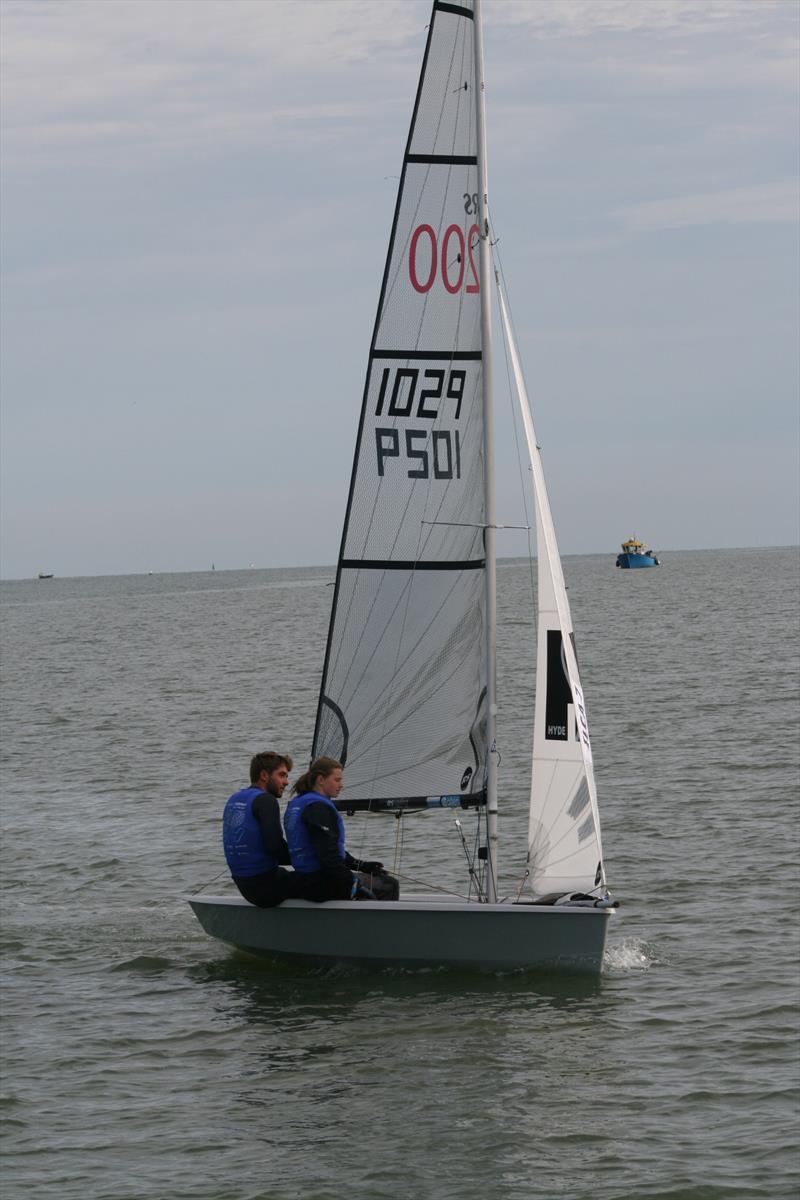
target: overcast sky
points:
(196, 203)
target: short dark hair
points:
(269, 761)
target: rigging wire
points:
(470, 861)
(201, 887)
(399, 837)
(515, 420)
(434, 887)
(480, 882)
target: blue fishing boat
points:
(634, 555)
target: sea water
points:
(144, 1061)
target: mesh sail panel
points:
(403, 683)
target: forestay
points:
(403, 689)
(564, 848)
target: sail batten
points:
(417, 564)
(457, 160)
(434, 355)
(460, 10)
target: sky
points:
(196, 198)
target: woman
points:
(315, 836)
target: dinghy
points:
(408, 695)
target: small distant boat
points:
(634, 555)
(45, 575)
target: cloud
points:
(85, 73)
(760, 203)
(197, 199)
(581, 18)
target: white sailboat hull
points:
(413, 932)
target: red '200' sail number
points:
(453, 258)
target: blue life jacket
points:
(301, 851)
(245, 852)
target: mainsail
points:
(403, 692)
(564, 849)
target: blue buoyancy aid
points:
(301, 850)
(245, 852)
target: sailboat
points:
(408, 695)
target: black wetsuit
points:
(334, 881)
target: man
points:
(315, 835)
(253, 838)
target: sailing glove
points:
(370, 866)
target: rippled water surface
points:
(143, 1061)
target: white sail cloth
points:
(564, 846)
(403, 686)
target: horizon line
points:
(213, 570)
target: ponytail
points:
(321, 768)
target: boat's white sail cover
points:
(564, 847)
(403, 683)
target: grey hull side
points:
(412, 932)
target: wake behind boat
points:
(408, 694)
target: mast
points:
(488, 467)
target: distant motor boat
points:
(45, 575)
(634, 555)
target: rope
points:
(398, 845)
(201, 887)
(433, 887)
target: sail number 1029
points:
(434, 452)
